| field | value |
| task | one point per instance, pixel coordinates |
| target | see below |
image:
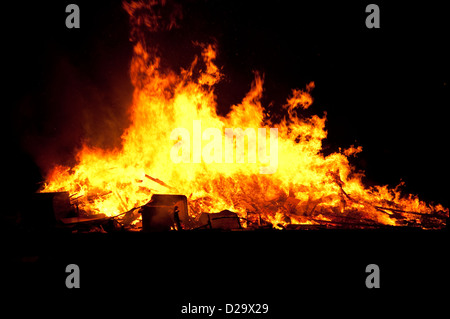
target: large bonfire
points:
(305, 187)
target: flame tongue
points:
(306, 186)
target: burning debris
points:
(168, 212)
(308, 190)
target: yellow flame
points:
(115, 181)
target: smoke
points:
(71, 87)
(153, 16)
(75, 88)
(71, 110)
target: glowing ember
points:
(306, 187)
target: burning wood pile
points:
(244, 170)
(166, 212)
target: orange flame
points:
(306, 188)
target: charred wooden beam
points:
(305, 227)
(158, 181)
(437, 214)
(348, 224)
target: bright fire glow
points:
(307, 187)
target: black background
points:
(385, 89)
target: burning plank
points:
(160, 182)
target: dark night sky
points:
(386, 89)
